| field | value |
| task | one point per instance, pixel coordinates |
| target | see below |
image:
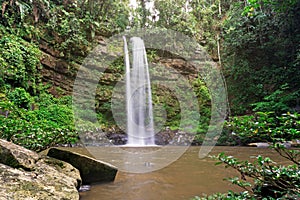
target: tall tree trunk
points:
(144, 13)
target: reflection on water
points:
(187, 177)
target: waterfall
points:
(140, 128)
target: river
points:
(185, 178)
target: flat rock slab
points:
(91, 170)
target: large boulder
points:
(91, 170)
(25, 175)
(43, 184)
(16, 156)
(48, 166)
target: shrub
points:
(19, 62)
(41, 128)
(20, 98)
(264, 127)
(270, 180)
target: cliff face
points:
(57, 71)
(61, 72)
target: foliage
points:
(261, 57)
(260, 50)
(30, 116)
(75, 26)
(264, 127)
(49, 124)
(20, 98)
(278, 101)
(198, 19)
(204, 101)
(19, 62)
(271, 181)
(69, 26)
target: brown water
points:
(187, 177)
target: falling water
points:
(138, 95)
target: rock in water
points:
(91, 170)
(259, 144)
(85, 188)
(25, 175)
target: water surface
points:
(185, 178)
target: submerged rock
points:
(25, 175)
(259, 144)
(91, 170)
(85, 188)
(287, 144)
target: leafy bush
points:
(50, 124)
(19, 62)
(264, 127)
(279, 101)
(271, 181)
(20, 98)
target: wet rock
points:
(117, 138)
(259, 144)
(164, 137)
(169, 137)
(95, 138)
(85, 188)
(295, 143)
(287, 144)
(91, 170)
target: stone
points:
(259, 144)
(17, 156)
(91, 170)
(18, 184)
(26, 175)
(295, 143)
(47, 163)
(84, 188)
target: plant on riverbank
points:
(19, 62)
(264, 178)
(263, 127)
(270, 180)
(29, 115)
